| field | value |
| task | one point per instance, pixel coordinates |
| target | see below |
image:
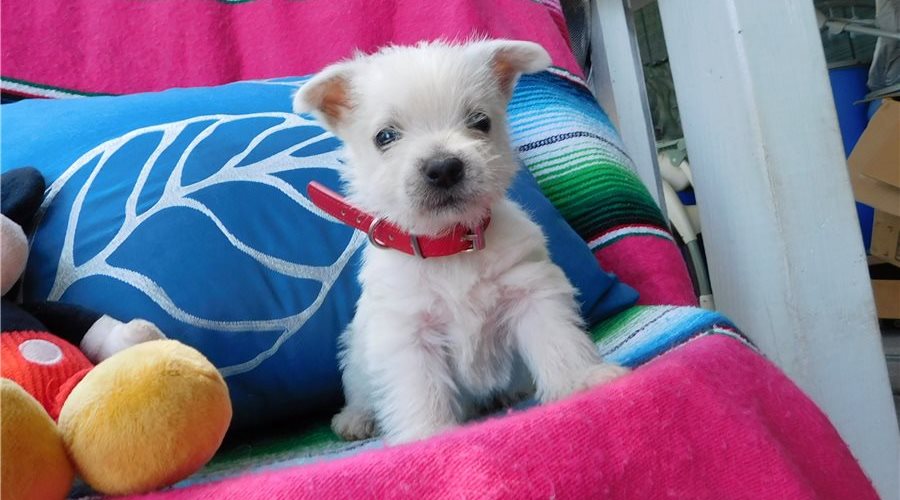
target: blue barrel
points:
(848, 85)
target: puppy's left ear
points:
(327, 95)
(509, 58)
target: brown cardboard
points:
(875, 160)
(887, 298)
(877, 194)
(877, 153)
(886, 237)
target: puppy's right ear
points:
(327, 95)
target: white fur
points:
(434, 340)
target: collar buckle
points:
(371, 233)
(413, 239)
(476, 238)
(417, 250)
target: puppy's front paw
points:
(353, 424)
(415, 433)
(602, 374)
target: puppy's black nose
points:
(444, 172)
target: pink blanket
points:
(711, 419)
(52, 48)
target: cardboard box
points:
(887, 298)
(875, 160)
(877, 153)
(886, 238)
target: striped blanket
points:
(710, 419)
(567, 141)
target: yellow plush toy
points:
(143, 419)
(32, 455)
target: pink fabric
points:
(711, 419)
(115, 46)
(651, 265)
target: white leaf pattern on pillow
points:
(176, 194)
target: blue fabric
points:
(188, 208)
(848, 88)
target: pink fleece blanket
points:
(711, 419)
(52, 48)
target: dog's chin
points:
(441, 211)
(438, 204)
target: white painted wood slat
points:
(781, 234)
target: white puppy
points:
(426, 137)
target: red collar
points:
(383, 234)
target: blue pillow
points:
(188, 208)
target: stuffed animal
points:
(149, 413)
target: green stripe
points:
(618, 323)
(602, 177)
(581, 194)
(580, 186)
(591, 220)
(602, 197)
(616, 190)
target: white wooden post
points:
(781, 234)
(621, 92)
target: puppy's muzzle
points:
(444, 172)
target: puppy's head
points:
(424, 127)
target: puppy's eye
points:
(386, 136)
(479, 121)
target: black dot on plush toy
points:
(21, 194)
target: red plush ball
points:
(45, 365)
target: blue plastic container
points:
(848, 86)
